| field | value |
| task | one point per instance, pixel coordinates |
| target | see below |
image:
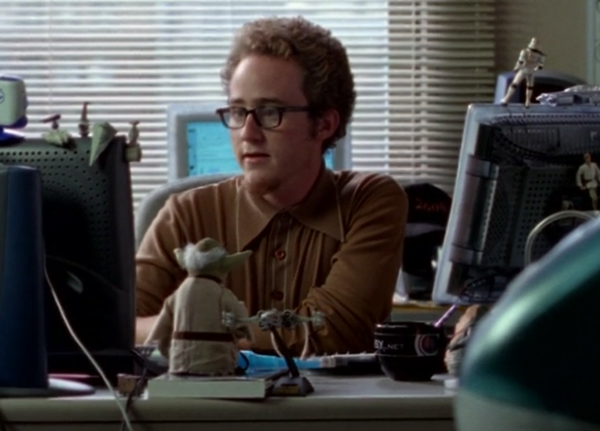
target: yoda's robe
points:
(190, 332)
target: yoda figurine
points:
(189, 329)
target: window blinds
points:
(417, 65)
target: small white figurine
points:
(587, 178)
(189, 328)
(530, 60)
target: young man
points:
(321, 241)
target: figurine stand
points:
(292, 384)
(287, 386)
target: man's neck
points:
(294, 191)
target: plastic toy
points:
(133, 152)
(270, 320)
(84, 124)
(530, 60)
(189, 328)
(56, 136)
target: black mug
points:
(410, 351)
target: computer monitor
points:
(199, 144)
(516, 167)
(545, 81)
(87, 219)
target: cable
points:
(548, 220)
(87, 353)
(138, 385)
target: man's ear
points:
(327, 124)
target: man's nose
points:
(251, 131)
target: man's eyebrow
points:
(258, 102)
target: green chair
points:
(533, 363)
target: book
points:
(254, 386)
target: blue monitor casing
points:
(516, 167)
(199, 144)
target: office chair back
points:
(152, 203)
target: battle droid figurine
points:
(530, 60)
(189, 328)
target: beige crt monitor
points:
(199, 144)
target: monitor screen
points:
(517, 166)
(87, 221)
(209, 150)
(199, 144)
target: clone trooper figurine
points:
(530, 60)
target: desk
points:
(347, 403)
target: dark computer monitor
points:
(517, 166)
(87, 216)
(545, 81)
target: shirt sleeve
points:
(157, 271)
(358, 292)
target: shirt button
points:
(280, 254)
(277, 295)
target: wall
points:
(561, 27)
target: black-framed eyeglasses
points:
(267, 117)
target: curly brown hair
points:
(328, 81)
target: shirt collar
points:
(320, 210)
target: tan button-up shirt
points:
(338, 252)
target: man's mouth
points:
(254, 155)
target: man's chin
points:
(259, 184)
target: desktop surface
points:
(351, 402)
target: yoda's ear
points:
(179, 256)
(235, 260)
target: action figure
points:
(587, 178)
(56, 136)
(133, 152)
(530, 60)
(84, 124)
(189, 328)
(270, 320)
